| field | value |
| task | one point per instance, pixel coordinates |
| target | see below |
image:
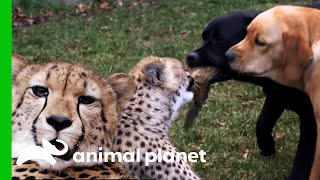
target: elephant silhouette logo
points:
(42, 153)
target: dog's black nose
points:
(230, 55)
(192, 58)
(58, 122)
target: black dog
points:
(226, 31)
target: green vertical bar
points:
(5, 89)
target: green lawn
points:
(116, 40)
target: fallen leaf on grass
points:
(221, 123)
(19, 18)
(200, 137)
(81, 9)
(47, 13)
(246, 154)
(277, 135)
(184, 34)
(119, 3)
(247, 104)
(104, 6)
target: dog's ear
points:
(124, 87)
(153, 73)
(314, 5)
(297, 54)
(18, 63)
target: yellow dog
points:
(283, 43)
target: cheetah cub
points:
(162, 87)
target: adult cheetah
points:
(65, 101)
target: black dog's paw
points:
(265, 140)
(268, 153)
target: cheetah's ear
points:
(18, 63)
(153, 73)
(124, 87)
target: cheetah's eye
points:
(40, 91)
(86, 99)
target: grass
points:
(116, 40)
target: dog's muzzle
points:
(192, 59)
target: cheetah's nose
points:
(59, 123)
(191, 83)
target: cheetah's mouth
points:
(191, 83)
(60, 146)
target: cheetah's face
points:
(167, 74)
(62, 101)
(177, 80)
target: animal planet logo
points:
(42, 153)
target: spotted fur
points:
(162, 87)
(88, 104)
(31, 171)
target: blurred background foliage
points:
(29, 4)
